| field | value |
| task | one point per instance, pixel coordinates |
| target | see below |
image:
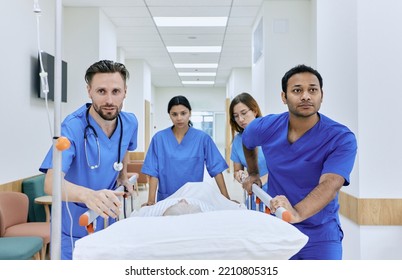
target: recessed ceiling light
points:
(194, 49)
(190, 21)
(201, 74)
(196, 65)
(198, 82)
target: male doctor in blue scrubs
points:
(309, 158)
(96, 162)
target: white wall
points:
(121, 55)
(288, 41)
(139, 88)
(81, 49)
(379, 70)
(338, 64)
(95, 40)
(25, 135)
(107, 38)
(239, 81)
(359, 57)
(379, 73)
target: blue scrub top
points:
(75, 163)
(237, 156)
(175, 164)
(295, 168)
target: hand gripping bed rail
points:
(261, 195)
(88, 219)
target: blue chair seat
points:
(19, 248)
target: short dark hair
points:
(106, 66)
(179, 100)
(301, 68)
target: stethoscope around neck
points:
(118, 165)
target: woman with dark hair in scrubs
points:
(243, 110)
(178, 154)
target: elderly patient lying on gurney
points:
(189, 199)
(182, 207)
(196, 222)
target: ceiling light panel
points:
(180, 38)
(195, 57)
(193, 3)
(194, 49)
(195, 74)
(190, 21)
(198, 82)
(189, 9)
(196, 65)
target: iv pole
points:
(55, 245)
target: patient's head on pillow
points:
(182, 207)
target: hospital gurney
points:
(259, 196)
(222, 233)
(88, 219)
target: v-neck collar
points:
(302, 138)
(101, 134)
(175, 139)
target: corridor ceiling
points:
(140, 38)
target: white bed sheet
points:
(203, 194)
(228, 232)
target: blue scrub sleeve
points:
(215, 163)
(150, 166)
(342, 159)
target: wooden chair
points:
(134, 166)
(14, 219)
